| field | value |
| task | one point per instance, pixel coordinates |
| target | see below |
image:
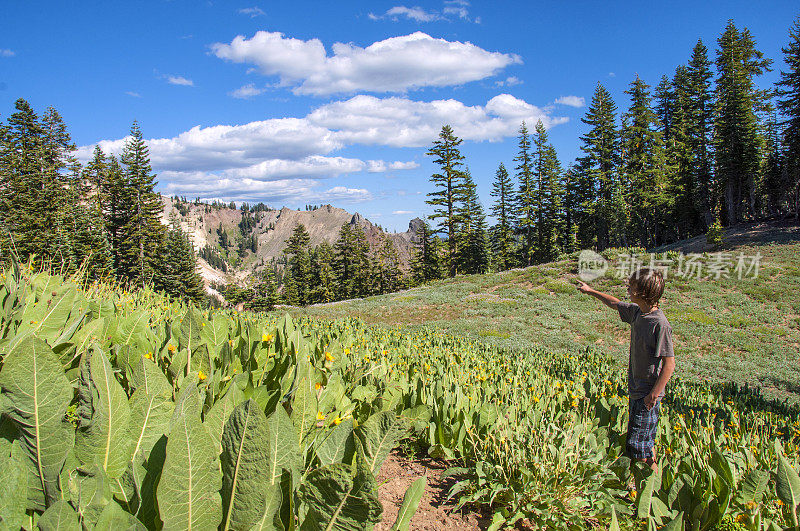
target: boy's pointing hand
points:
(583, 287)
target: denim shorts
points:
(642, 424)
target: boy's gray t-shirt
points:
(651, 340)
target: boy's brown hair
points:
(647, 283)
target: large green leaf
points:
(787, 485)
(103, 435)
(334, 503)
(269, 519)
(89, 492)
(219, 413)
(753, 486)
(245, 466)
(114, 517)
(189, 334)
(379, 434)
(36, 394)
(188, 491)
(13, 486)
(151, 409)
(59, 517)
(304, 405)
(411, 501)
(334, 444)
(283, 452)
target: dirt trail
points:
(434, 514)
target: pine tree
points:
(473, 246)
(643, 167)
(426, 261)
(449, 191)
(600, 181)
(701, 127)
(504, 209)
(142, 234)
(547, 195)
(298, 266)
(176, 267)
(526, 198)
(114, 195)
(788, 92)
(324, 278)
(266, 296)
(572, 209)
(736, 128)
(386, 262)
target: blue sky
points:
(295, 103)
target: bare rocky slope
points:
(204, 222)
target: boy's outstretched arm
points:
(608, 300)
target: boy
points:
(651, 360)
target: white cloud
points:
(413, 13)
(5, 52)
(180, 80)
(509, 82)
(133, 94)
(461, 12)
(252, 11)
(273, 159)
(246, 91)
(396, 64)
(612, 74)
(402, 212)
(571, 101)
(400, 122)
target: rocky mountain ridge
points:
(205, 223)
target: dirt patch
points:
(434, 514)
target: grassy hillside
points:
(746, 331)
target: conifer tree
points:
(298, 266)
(701, 99)
(643, 167)
(114, 195)
(547, 195)
(176, 270)
(605, 205)
(788, 92)
(449, 191)
(526, 198)
(504, 209)
(265, 297)
(736, 128)
(426, 261)
(473, 247)
(142, 234)
(323, 276)
(571, 208)
(388, 276)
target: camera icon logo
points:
(591, 265)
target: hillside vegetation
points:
(130, 410)
(726, 330)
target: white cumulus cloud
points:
(246, 91)
(571, 101)
(180, 80)
(396, 64)
(283, 158)
(252, 12)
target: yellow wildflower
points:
(337, 421)
(329, 356)
(317, 386)
(320, 416)
(149, 355)
(171, 348)
(266, 338)
(201, 375)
